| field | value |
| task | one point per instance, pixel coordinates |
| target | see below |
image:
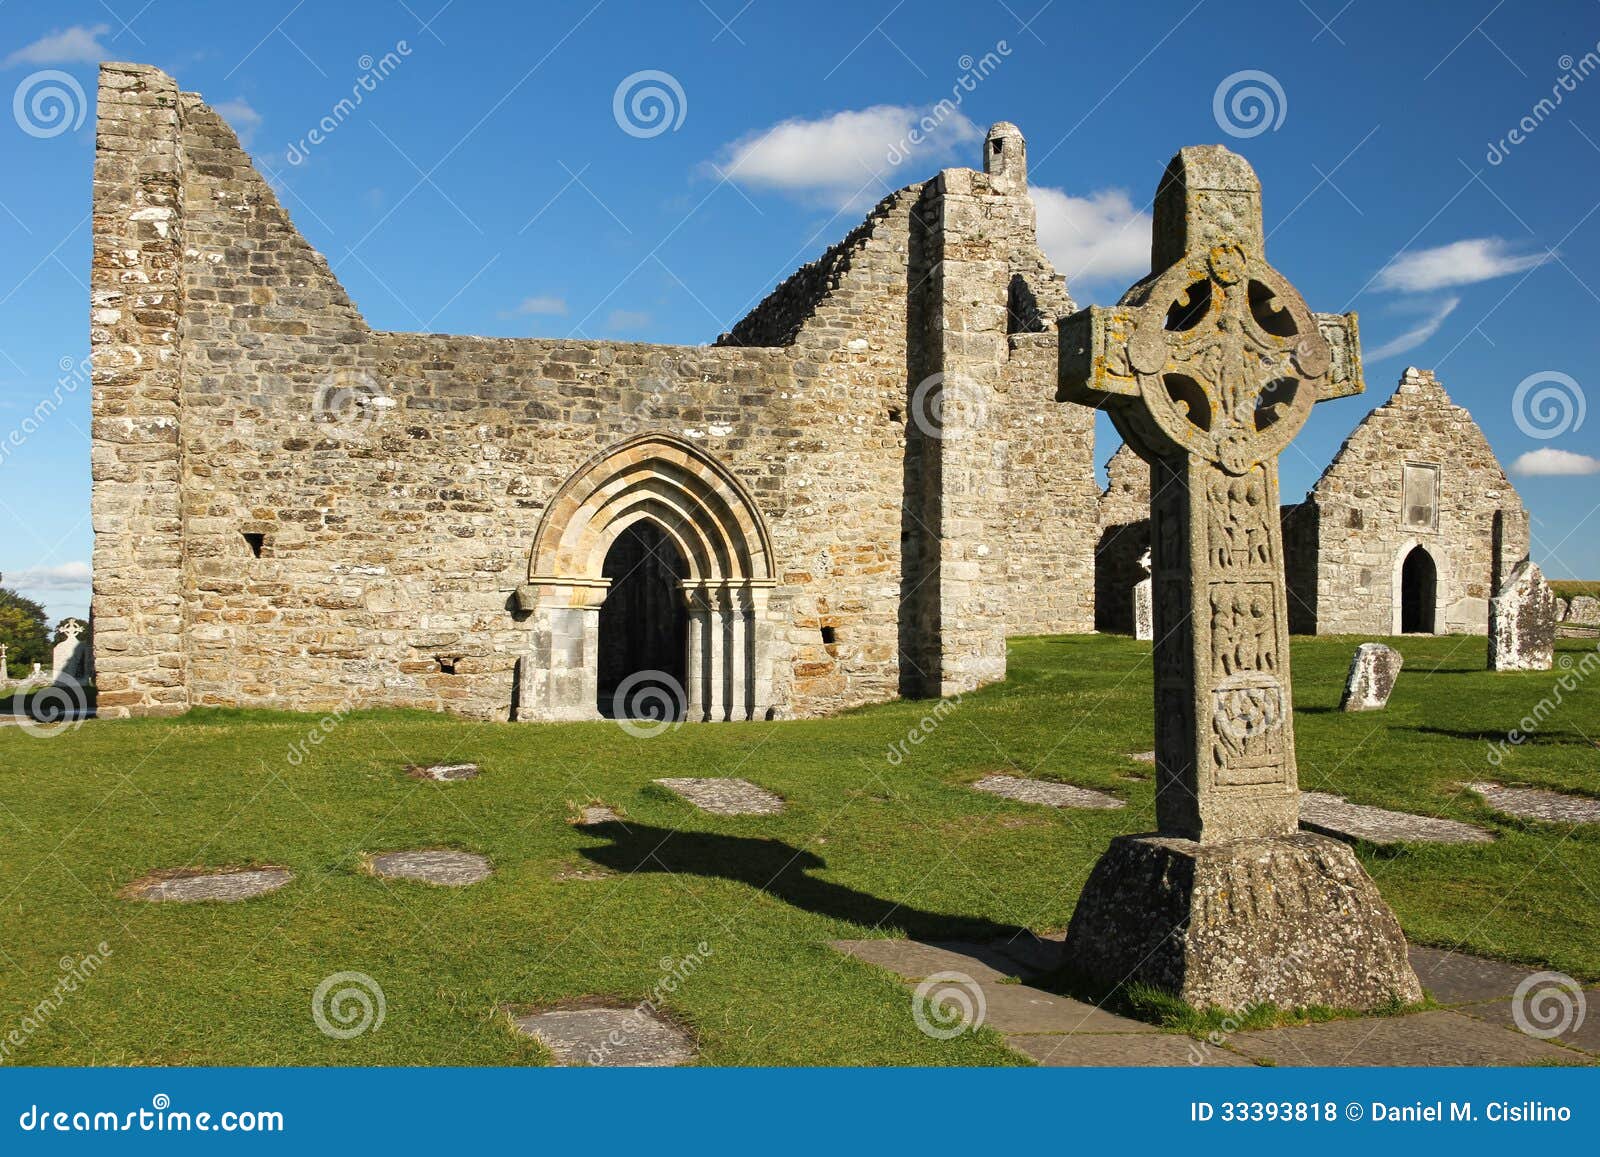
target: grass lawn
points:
(1572, 588)
(866, 847)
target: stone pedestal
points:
(1288, 920)
(1522, 623)
(1374, 670)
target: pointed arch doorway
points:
(632, 502)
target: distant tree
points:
(25, 630)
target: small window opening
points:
(255, 540)
(447, 664)
(829, 636)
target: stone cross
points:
(1208, 367)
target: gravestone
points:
(1208, 367)
(1522, 622)
(1374, 670)
(1143, 616)
(1584, 610)
(70, 659)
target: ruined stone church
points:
(858, 492)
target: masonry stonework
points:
(293, 509)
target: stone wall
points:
(1123, 517)
(295, 510)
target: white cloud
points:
(69, 576)
(1459, 263)
(243, 119)
(1549, 460)
(627, 319)
(850, 157)
(1095, 237)
(79, 44)
(544, 305)
(1416, 335)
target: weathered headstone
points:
(1522, 622)
(1374, 670)
(1584, 610)
(1143, 614)
(70, 659)
(1208, 368)
(1561, 615)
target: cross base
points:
(1292, 920)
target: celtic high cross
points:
(1208, 367)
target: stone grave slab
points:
(1577, 1032)
(1424, 1038)
(1334, 816)
(1532, 803)
(1018, 1008)
(1374, 669)
(609, 1037)
(442, 866)
(444, 772)
(1142, 756)
(1457, 978)
(1145, 1050)
(226, 886)
(726, 797)
(591, 814)
(1048, 794)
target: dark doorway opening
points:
(644, 627)
(1418, 593)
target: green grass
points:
(1572, 588)
(865, 848)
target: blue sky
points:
(497, 177)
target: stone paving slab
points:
(1148, 1050)
(913, 960)
(228, 886)
(1337, 817)
(1044, 792)
(609, 1037)
(726, 797)
(1017, 1008)
(1532, 803)
(1456, 978)
(441, 866)
(592, 814)
(1424, 1038)
(1579, 1030)
(445, 772)
(1142, 756)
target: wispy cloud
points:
(1459, 263)
(1417, 334)
(79, 44)
(1550, 461)
(1100, 236)
(68, 576)
(850, 157)
(544, 305)
(243, 119)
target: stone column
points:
(697, 666)
(719, 628)
(761, 652)
(739, 608)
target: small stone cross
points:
(72, 629)
(1209, 367)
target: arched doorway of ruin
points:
(642, 658)
(1419, 593)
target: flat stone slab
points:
(1021, 956)
(609, 1037)
(228, 886)
(1456, 978)
(1559, 1017)
(1044, 792)
(574, 873)
(434, 866)
(1337, 817)
(445, 772)
(592, 814)
(1532, 803)
(1017, 1008)
(1142, 756)
(1147, 1050)
(726, 797)
(1425, 1038)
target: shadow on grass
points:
(1537, 738)
(780, 870)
